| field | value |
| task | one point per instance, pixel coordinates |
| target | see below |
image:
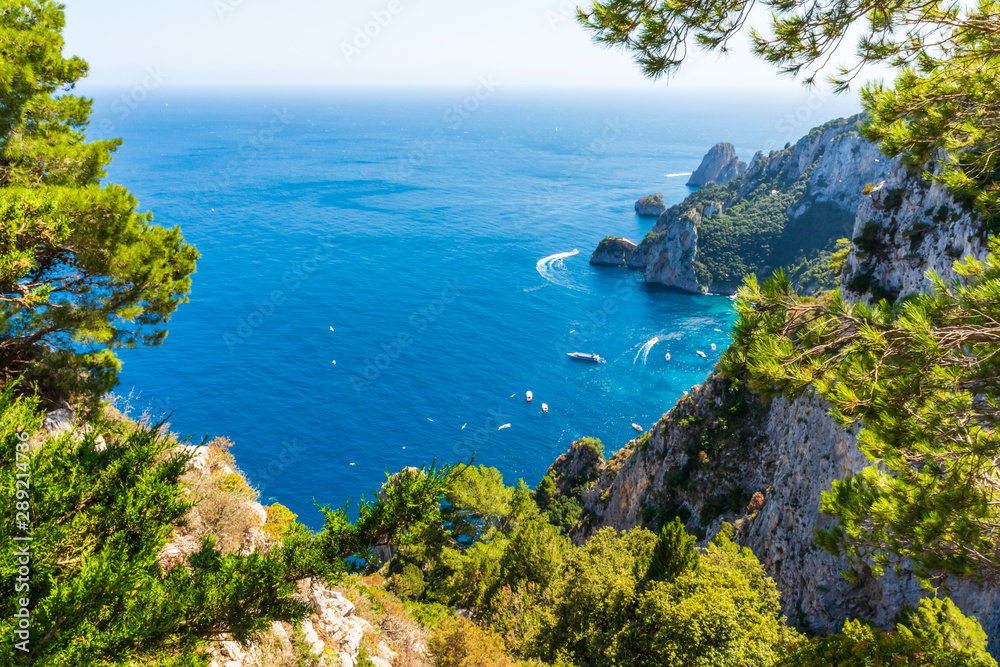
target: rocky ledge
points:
(651, 206)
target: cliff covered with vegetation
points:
(787, 209)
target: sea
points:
(385, 274)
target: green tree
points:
(939, 624)
(82, 272)
(921, 376)
(861, 645)
(725, 612)
(673, 554)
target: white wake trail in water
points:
(644, 350)
(548, 268)
(686, 173)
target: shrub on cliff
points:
(861, 645)
(89, 583)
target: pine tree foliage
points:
(82, 272)
(93, 587)
(673, 553)
(922, 378)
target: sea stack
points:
(613, 251)
(720, 165)
(650, 206)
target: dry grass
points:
(222, 499)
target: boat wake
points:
(550, 269)
(686, 173)
(644, 350)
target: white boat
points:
(699, 353)
(504, 426)
(713, 346)
(667, 357)
(545, 407)
(529, 396)
(583, 356)
(719, 330)
(637, 427)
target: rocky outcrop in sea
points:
(720, 165)
(651, 206)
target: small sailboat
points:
(529, 396)
(713, 346)
(637, 427)
(503, 427)
(667, 357)
(699, 353)
(545, 407)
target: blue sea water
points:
(434, 245)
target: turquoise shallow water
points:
(436, 242)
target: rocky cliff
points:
(724, 454)
(787, 207)
(720, 165)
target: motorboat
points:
(713, 346)
(637, 427)
(504, 426)
(667, 357)
(699, 353)
(545, 407)
(529, 396)
(583, 356)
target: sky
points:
(321, 43)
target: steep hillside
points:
(787, 208)
(724, 454)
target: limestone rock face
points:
(720, 165)
(332, 633)
(796, 450)
(651, 206)
(669, 255)
(613, 251)
(911, 227)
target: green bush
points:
(860, 645)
